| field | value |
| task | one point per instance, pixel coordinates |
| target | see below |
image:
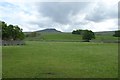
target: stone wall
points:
(9, 43)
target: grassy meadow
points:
(67, 37)
(55, 37)
(61, 60)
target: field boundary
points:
(18, 42)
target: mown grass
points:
(60, 60)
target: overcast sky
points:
(32, 15)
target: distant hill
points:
(49, 31)
(105, 33)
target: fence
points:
(7, 43)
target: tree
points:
(117, 33)
(77, 31)
(5, 34)
(11, 32)
(18, 34)
(88, 35)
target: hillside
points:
(68, 37)
(54, 35)
(105, 33)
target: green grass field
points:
(61, 60)
(55, 37)
(67, 37)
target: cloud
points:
(60, 12)
(102, 12)
(63, 15)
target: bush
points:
(117, 33)
(88, 35)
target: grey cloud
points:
(119, 9)
(60, 11)
(102, 12)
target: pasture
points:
(60, 60)
(67, 37)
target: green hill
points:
(55, 37)
(105, 33)
(69, 37)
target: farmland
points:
(64, 39)
(68, 37)
(39, 59)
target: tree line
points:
(11, 32)
(88, 35)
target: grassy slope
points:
(56, 37)
(105, 37)
(67, 37)
(105, 33)
(60, 59)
